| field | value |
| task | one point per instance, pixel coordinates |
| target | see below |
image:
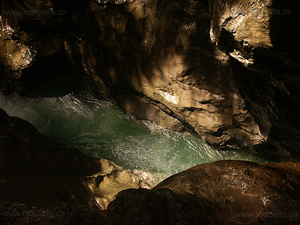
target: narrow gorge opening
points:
(149, 112)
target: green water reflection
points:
(63, 110)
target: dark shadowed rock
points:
(49, 172)
(39, 171)
(157, 207)
(41, 180)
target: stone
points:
(156, 207)
(223, 192)
(21, 45)
(239, 192)
(105, 188)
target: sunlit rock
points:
(106, 184)
(22, 43)
(14, 56)
(239, 27)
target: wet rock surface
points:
(106, 184)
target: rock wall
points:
(258, 36)
(221, 68)
(158, 62)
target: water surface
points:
(65, 111)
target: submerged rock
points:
(223, 192)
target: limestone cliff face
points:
(216, 67)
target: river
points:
(64, 110)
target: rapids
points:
(65, 111)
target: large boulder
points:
(223, 192)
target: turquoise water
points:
(65, 111)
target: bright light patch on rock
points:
(170, 98)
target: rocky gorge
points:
(46, 182)
(226, 70)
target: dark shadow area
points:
(161, 206)
(44, 70)
(203, 2)
(48, 171)
(284, 27)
